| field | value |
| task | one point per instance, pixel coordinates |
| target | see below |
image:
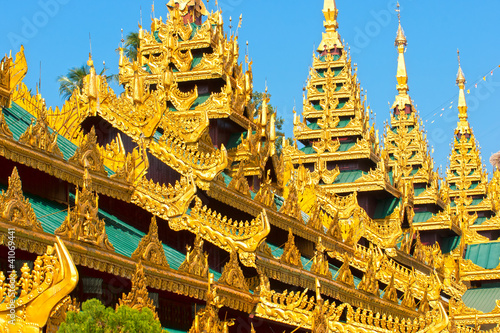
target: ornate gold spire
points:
(331, 37)
(401, 75)
(462, 104)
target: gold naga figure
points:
(27, 309)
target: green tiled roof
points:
(196, 60)
(313, 125)
(422, 217)
(19, 120)
(480, 220)
(171, 330)
(200, 100)
(419, 191)
(344, 146)
(124, 238)
(348, 176)
(474, 202)
(486, 255)
(449, 244)
(235, 139)
(344, 122)
(386, 207)
(335, 57)
(482, 299)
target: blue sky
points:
(282, 36)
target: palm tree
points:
(132, 42)
(74, 79)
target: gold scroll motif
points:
(53, 277)
(138, 297)
(82, 222)
(15, 208)
(244, 236)
(150, 249)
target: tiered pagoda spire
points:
(340, 150)
(467, 179)
(410, 160)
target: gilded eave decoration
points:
(15, 208)
(207, 319)
(53, 277)
(87, 154)
(232, 275)
(138, 297)
(82, 222)
(291, 254)
(244, 236)
(38, 136)
(150, 249)
(196, 262)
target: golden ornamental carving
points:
(232, 275)
(369, 282)
(58, 314)
(87, 154)
(292, 308)
(4, 128)
(182, 101)
(207, 320)
(320, 313)
(12, 73)
(322, 174)
(291, 205)
(138, 297)
(15, 208)
(244, 236)
(291, 254)
(239, 183)
(326, 143)
(344, 274)
(165, 201)
(408, 296)
(196, 262)
(320, 264)
(348, 220)
(39, 136)
(150, 249)
(54, 276)
(390, 292)
(82, 222)
(265, 195)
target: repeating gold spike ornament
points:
(138, 297)
(87, 155)
(150, 248)
(82, 222)
(207, 320)
(39, 136)
(196, 262)
(291, 254)
(12, 73)
(232, 275)
(15, 208)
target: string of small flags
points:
(449, 105)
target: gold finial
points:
(401, 75)
(331, 38)
(462, 104)
(400, 38)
